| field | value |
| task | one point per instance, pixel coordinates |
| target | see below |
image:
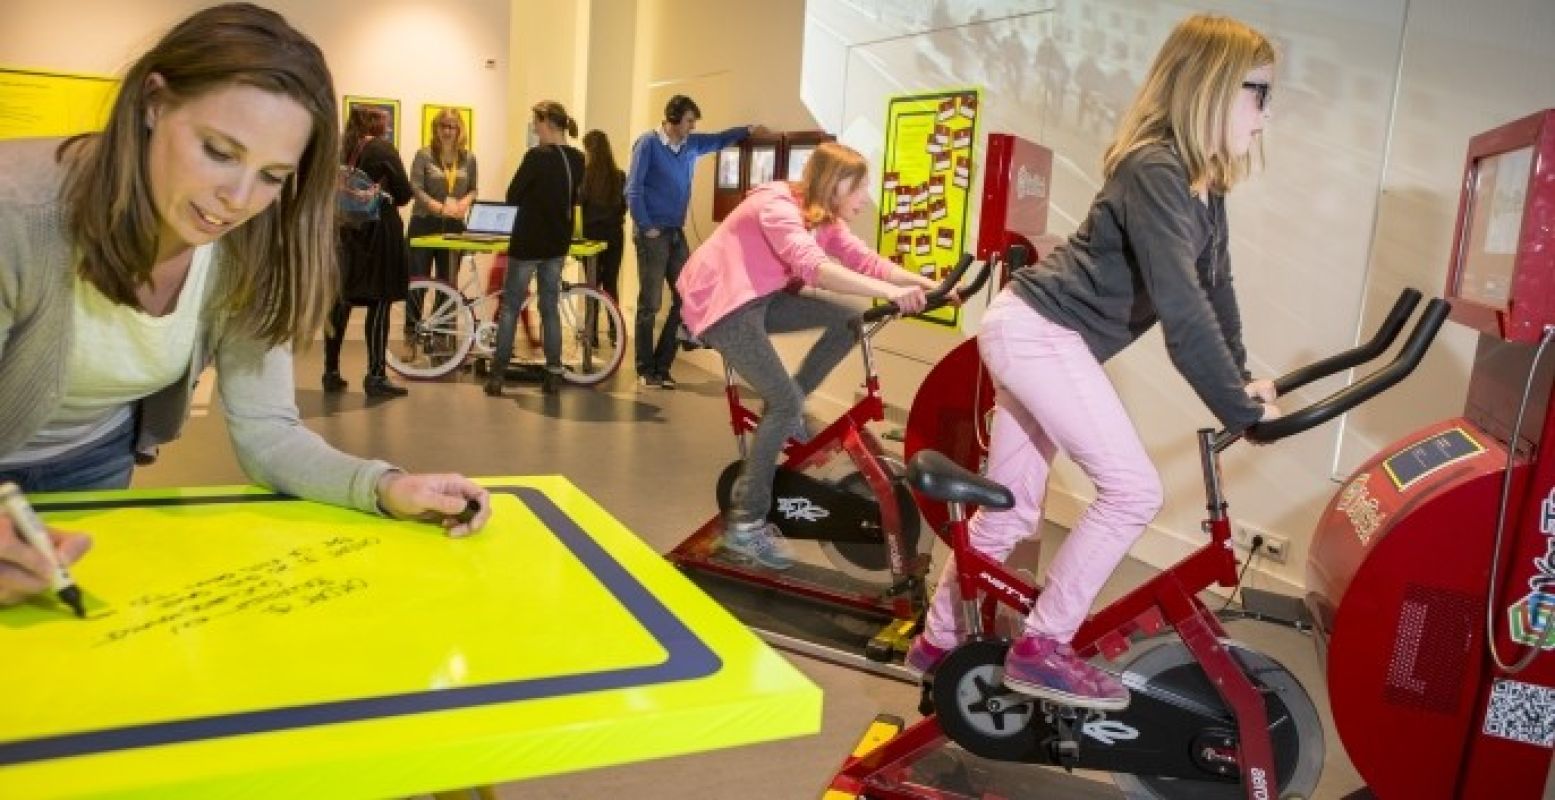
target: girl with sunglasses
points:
(1153, 248)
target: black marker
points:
(31, 531)
(471, 508)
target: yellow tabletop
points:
(239, 643)
(580, 248)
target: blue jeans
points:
(659, 261)
(104, 464)
(515, 288)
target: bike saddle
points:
(934, 475)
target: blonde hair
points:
(461, 142)
(1187, 97)
(828, 167)
(283, 279)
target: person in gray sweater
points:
(1152, 249)
(117, 292)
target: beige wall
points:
(412, 51)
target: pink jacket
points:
(761, 248)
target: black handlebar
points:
(1402, 308)
(1345, 399)
(935, 297)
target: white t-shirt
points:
(118, 355)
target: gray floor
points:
(650, 458)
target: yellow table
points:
(580, 248)
(240, 643)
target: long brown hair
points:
(829, 165)
(603, 182)
(1187, 98)
(283, 278)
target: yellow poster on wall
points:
(52, 104)
(926, 183)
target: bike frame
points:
(848, 434)
(1170, 599)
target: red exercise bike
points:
(1209, 717)
(845, 494)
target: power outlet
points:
(1275, 547)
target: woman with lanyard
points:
(443, 177)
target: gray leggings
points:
(744, 340)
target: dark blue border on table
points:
(689, 657)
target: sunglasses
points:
(1260, 89)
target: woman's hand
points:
(434, 498)
(910, 299)
(1262, 390)
(1271, 412)
(23, 570)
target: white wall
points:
(1373, 105)
(410, 50)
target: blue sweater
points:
(658, 185)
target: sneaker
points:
(1050, 670)
(667, 382)
(333, 382)
(379, 386)
(648, 382)
(923, 655)
(762, 543)
(493, 386)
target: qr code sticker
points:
(1521, 712)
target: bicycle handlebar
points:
(1345, 399)
(937, 296)
(1386, 334)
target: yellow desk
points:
(580, 248)
(245, 644)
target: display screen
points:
(729, 168)
(491, 218)
(1494, 227)
(1425, 457)
(798, 156)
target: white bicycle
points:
(458, 323)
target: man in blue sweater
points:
(658, 189)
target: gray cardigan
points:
(254, 381)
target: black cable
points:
(1256, 550)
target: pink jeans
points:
(1052, 395)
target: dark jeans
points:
(744, 339)
(428, 263)
(377, 334)
(515, 288)
(104, 464)
(659, 261)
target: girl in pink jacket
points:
(742, 285)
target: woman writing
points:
(196, 229)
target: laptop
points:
(487, 222)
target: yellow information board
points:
(926, 184)
(239, 642)
(51, 104)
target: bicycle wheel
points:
(437, 344)
(593, 335)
